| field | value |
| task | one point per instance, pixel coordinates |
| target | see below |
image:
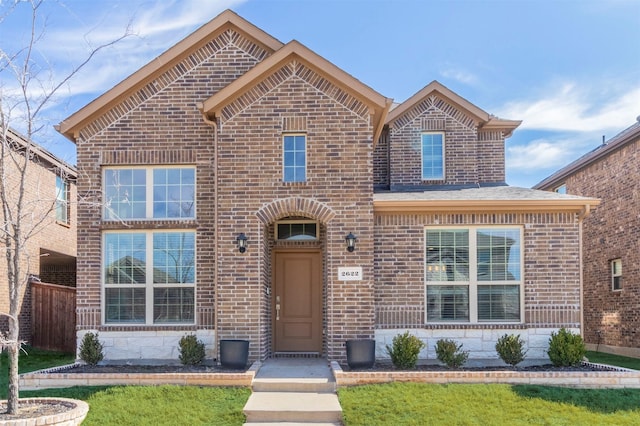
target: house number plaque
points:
(350, 274)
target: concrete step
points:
(294, 385)
(292, 424)
(300, 407)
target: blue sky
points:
(570, 69)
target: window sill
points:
(64, 224)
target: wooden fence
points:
(53, 317)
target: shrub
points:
(450, 353)
(510, 348)
(91, 349)
(191, 350)
(404, 351)
(566, 348)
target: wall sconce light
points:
(241, 240)
(351, 242)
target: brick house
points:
(51, 251)
(611, 240)
(229, 174)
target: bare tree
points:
(22, 103)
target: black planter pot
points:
(361, 353)
(234, 353)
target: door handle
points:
(277, 308)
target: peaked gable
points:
(467, 111)
(138, 83)
(295, 58)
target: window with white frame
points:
(473, 274)
(149, 277)
(62, 200)
(294, 164)
(432, 149)
(149, 193)
(616, 274)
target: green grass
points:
(31, 359)
(157, 405)
(620, 361)
(458, 404)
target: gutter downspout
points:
(581, 217)
(214, 125)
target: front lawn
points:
(458, 404)
(620, 361)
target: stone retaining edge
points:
(616, 378)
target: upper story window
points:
(149, 193)
(432, 156)
(294, 158)
(474, 274)
(62, 200)
(562, 189)
(616, 274)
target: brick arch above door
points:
(295, 206)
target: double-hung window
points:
(616, 274)
(294, 164)
(62, 200)
(149, 277)
(149, 193)
(473, 274)
(432, 149)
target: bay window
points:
(149, 277)
(473, 274)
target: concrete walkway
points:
(293, 391)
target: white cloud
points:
(459, 75)
(540, 153)
(571, 107)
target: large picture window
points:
(149, 277)
(473, 274)
(294, 158)
(432, 156)
(149, 193)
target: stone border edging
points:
(57, 378)
(612, 377)
(73, 416)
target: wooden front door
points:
(297, 301)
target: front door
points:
(297, 308)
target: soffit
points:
(294, 51)
(223, 22)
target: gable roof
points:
(623, 138)
(482, 119)
(226, 20)
(21, 143)
(294, 50)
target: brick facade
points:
(611, 318)
(223, 105)
(53, 244)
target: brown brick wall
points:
(471, 157)
(612, 231)
(40, 195)
(159, 125)
(551, 264)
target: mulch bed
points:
(150, 369)
(30, 410)
(381, 367)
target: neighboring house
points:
(237, 169)
(50, 255)
(611, 240)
